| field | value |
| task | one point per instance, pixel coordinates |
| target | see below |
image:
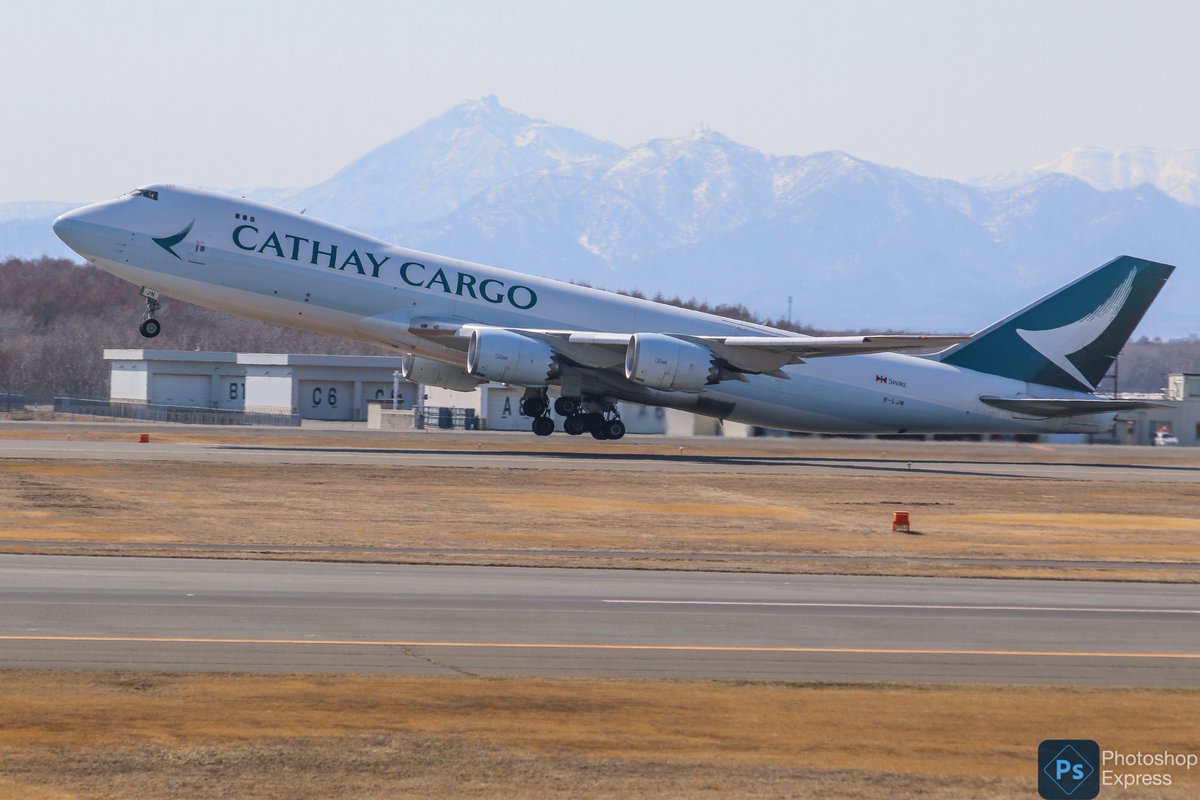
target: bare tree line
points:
(57, 316)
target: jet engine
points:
(496, 354)
(668, 363)
(428, 372)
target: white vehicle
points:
(1164, 438)
(463, 324)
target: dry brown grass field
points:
(431, 514)
(139, 735)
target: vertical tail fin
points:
(1069, 338)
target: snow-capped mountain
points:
(433, 169)
(702, 216)
(1175, 173)
(855, 244)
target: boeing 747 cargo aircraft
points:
(463, 324)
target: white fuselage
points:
(262, 262)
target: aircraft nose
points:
(64, 224)
(70, 228)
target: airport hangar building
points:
(325, 387)
(341, 388)
(314, 386)
(1177, 412)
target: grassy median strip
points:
(564, 516)
(86, 734)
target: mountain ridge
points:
(858, 244)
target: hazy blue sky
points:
(100, 96)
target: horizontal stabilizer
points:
(1065, 407)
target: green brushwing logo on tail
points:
(1070, 338)
(168, 242)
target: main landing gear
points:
(596, 416)
(538, 406)
(602, 425)
(150, 327)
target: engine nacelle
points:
(664, 362)
(428, 372)
(499, 355)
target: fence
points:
(189, 415)
(448, 418)
(12, 401)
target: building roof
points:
(169, 355)
(317, 360)
(260, 359)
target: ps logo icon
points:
(1067, 769)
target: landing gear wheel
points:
(150, 327)
(534, 407)
(599, 433)
(613, 429)
(543, 426)
(567, 406)
(575, 425)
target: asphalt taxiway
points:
(284, 616)
(498, 458)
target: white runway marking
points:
(914, 606)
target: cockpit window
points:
(153, 195)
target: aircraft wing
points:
(1065, 407)
(769, 354)
(742, 353)
(762, 351)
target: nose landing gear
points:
(150, 327)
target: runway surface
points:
(282, 616)
(591, 460)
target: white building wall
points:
(129, 382)
(292, 383)
(179, 377)
(230, 391)
(271, 390)
(180, 389)
(436, 396)
(684, 423)
(1178, 412)
(1183, 386)
(326, 398)
(322, 386)
(381, 392)
(317, 386)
